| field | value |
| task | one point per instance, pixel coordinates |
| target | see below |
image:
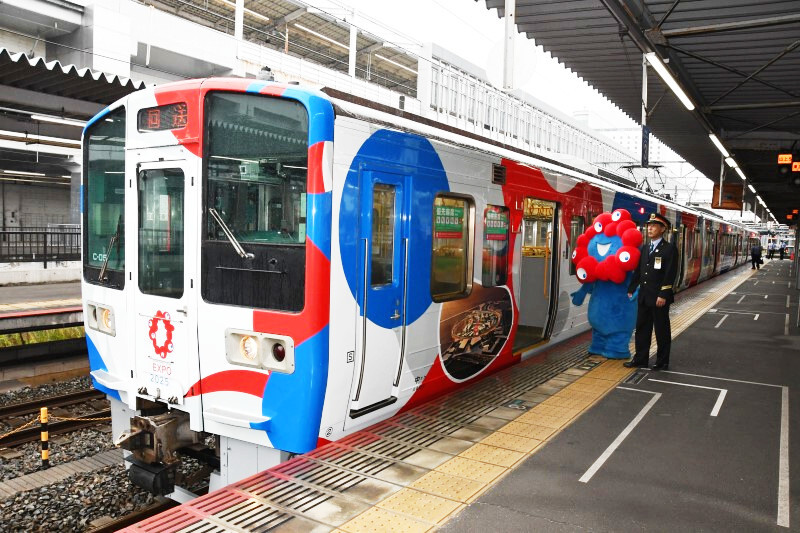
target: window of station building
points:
(451, 261)
(576, 228)
(254, 206)
(104, 201)
(160, 230)
(495, 246)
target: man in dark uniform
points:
(658, 267)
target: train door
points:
(163, 297)
(538, 271)
(383, 271)
(678, 239)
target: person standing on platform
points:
(658, 267)
(755, 256)
(783, 249)
(770, 249)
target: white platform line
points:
(786, 325)
(787, 301)
(742, 298)
(621, 437)
(783, 471)
(722, 379)
(766, 296)
(756, 317)
(720, 398)
(721, 321)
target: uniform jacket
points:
(652, 281)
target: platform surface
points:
(712, 452)
(42, 294)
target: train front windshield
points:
(255, 201)
(104, 201)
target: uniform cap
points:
(656, 218)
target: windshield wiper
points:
(236, 246)
(111, 242)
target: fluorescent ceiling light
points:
(741, 174)
(59, 120)
(248, 11)
(23, 173)
(323, 37)
(731, 163)
(395, 63)
(751, 188)
(662, 71)
(718, 144)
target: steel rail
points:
(33, 407)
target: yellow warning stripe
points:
(435, 497)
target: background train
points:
(267, 267)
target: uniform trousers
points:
(648, 317)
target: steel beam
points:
(728, 26)
(741, 107)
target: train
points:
(268, 267)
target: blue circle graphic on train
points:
(403, 169)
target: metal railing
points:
(40, 244)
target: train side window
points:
(495, 246)
(576, 228)
(451, 258)
(383, 222)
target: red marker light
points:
(641, 210)
(278, 352)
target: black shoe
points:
(658, 366)
(633, 364)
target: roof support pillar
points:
(721, 178)
(238, 21)
(351, 65)
(508, 47)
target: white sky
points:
(468, 29)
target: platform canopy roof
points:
(321, 35)
(738, 61)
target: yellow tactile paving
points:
(512, 442)
(544, 420)
(564, 399)
(555, 410)
(492, 455)
(470, 469)
(450, 487)
(378, 519)
(420, 505)
(525, 429)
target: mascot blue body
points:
(605, 257)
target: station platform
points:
(564, 441)
(40, 306)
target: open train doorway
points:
(538, 272)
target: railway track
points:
(33, 407)
(33, 433)
(55, 427)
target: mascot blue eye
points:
(625, 257)
(581, 273)
(598, 227)
(616, 215)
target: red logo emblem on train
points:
(161, 333)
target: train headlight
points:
(106, 315)
(248, 347)
(260, 350)
(100, 318)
